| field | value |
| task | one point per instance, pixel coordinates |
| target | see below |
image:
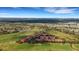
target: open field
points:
(8, 42)
(12, 32)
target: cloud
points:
(3, 13)
(61, 10)
(16, 7)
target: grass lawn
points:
(8, 43)
(44, 47)
(76, 45)
(63, 35)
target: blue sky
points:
(40, 12)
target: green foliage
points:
(8, 41)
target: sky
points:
(40, 12)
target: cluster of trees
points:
(20, 27)
(67, 28)
(12, 28)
